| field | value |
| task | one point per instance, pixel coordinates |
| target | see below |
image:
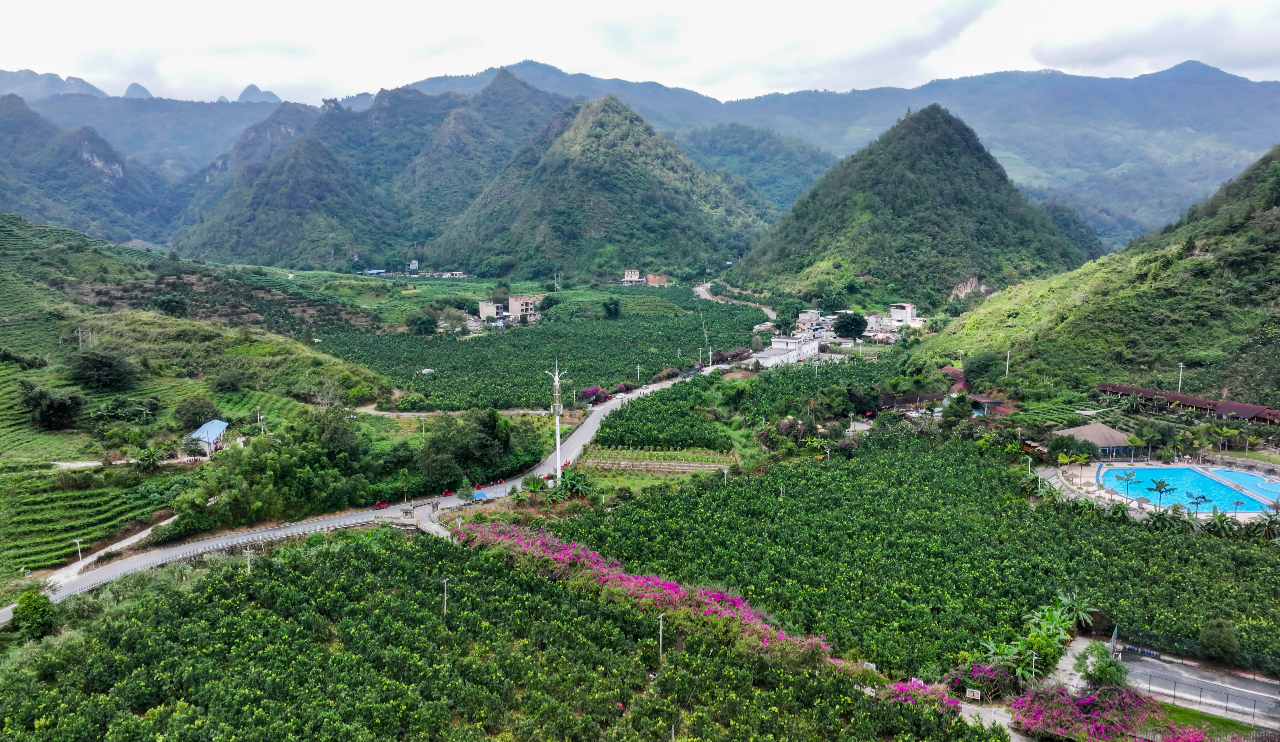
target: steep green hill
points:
(1203, 293)
(339, 188)
(599, 191)
(924, 214)
(781, 167)
(74, 178)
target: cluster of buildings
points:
(1220, 408)
(633, 278)
(813, 329)
(884, 329)
(518, 309)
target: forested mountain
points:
(1146, 147)
(176, 137)
(600, 190)
(924, 214)
(74, 178)
(781, 167)
(341, 188)
(1205, 292)
(34, 86)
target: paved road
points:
(704, 292)
(570, 449)
(67, 582)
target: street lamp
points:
(726, 475)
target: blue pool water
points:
(1186, 482)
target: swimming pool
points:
(1187, 482)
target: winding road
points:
(704, 292)
(70, 580)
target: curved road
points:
(68, 581)
(704, 292)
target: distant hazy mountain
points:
(176, 137)
(252, 94)
(137, 91)
(34, 86)
(781, 167)
(74, 178)
(1146, 147)
(923, 214)
(598, 191)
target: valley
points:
(534, 406)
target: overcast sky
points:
(305, 52)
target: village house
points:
(786, 350)
(632, 278)
(524, 306)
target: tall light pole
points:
(79, 556)
(423, 420)
(248, 561)
(1180, 365)
(1007, 353)
(446, 596)
(261, 428)
(557, 409)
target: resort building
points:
(1112, 442)
(1221, 408)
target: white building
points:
(903, 313)
(807, 320)
(526, 306)
(412, 265)
(632, 278)
(787, 350)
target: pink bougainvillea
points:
(573, 560)
(921, 696)
(1095, 714)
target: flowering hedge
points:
(992, 680)
(701, 610)
(1094, 714)
(921, 696)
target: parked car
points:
(380, 506)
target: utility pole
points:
(248, 561)
(1007, 354)
(1180, 365)
(557, 409)
(446, 596)
(79, 556)
(261, 428)
(423, 420)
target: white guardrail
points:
(201, 547)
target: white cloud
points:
(728, 50)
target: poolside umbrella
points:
(1142, 501)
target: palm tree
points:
(1161, 488)
(1237, 503)
(1081, 459)
(1255, 440)
(1077, 608)
(148, 459)
(1134, 441)
(1128, 478)
(1197, 500)
(1224, 435)
(1148, 437)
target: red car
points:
(380, 506)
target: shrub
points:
(100, 369)
(921, 696)
(172, 304)
(50, 409)
(33, 615)
(228, 382)
(992, 680)
(1098, 668)
(194, 411)
(1218, 639)
(412, 403)
(1101, 713)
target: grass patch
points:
(1217, 724)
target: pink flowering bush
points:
(921, 696)
(705, 611)
(994, 681)
(1094, 714)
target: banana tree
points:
(1077, 608)
(1128, 478)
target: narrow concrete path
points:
(704, 292)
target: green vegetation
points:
(74, 178)
(1203, 293)
(781, 167)
(599, 191)
(347, 638)
(671, 418)
(505, 370)
(917, 550)
(924, 214)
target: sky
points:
(728, 50)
